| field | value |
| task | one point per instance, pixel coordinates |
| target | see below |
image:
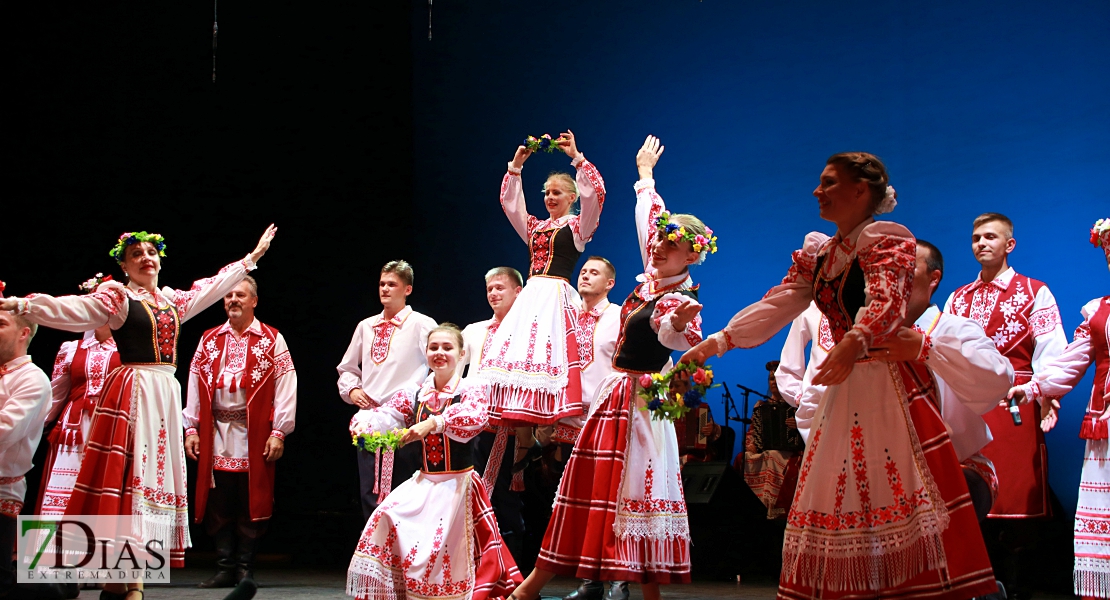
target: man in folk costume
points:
(502, 286)
(242, 402)
(24, 400)
(1020, 314)
(599, 324)
(386, 355)
(80, 370)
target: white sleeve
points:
(1061, 375)
(948, 303)
(648, 206)
(969, 363)
(1048, 329)
(190, 415)
(790, 374)
(60, 379)
(662, 321)
(350, 373)
(205, 292)
(512, 202)
(807, 409)
(22, 412)
(285, 388)
(591, 194)
(107, 305)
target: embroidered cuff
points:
(191, 431)
(513, 170)
(577, 161)
(248, 263)
(22, 306)
(1032, 390)
(863, 337)
(724, 344)
(279, 434)
(926, 345)
(643, 184)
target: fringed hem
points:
(515, 380)
(160, 523)
(652, 526)
(369, 580)
(873, 562)
(652, 555)
(512, 405)
(1091, 577)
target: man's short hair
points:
(21, 321)
(992, 216)
(400, 268)
(935, 260)
(508, 273)
(608, 265)
(253, 285)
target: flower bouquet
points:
(671, 395)
(374, 441)
(544, 143)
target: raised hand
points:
(521, 155)
(684, 314)
(264, 243)
(418, 432)
(648, 155)
(566, 143)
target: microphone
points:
(1012, 405)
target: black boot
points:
(244, 563)
(618, 590)
(587, 590)
(225, 566)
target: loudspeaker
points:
(700, 480)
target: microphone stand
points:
(731, 412)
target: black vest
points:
(840, 298)
(441, 453)
(554, 253)
(149, 335)
(638, 347)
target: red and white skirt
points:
(134, 460)
(435, 536)
(1092, 523)
(620, 514)
(532, 361)
(63, 461)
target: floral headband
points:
(135, 237)
(90, 285)
(703, 244)
(544, 142)
(1100, 234)
(3, 286)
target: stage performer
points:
(242, 402)
(869, 517)
(80, 370)
(435, 536)
(386, 355)
(1054, 379)
(532, 363)
(503, 284)
(24, 402)
(619, 513)
(794, 374)
(599, 323)
(134, 460)
(1020, 314)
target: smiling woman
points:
(134, 463)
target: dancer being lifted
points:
(869, 518)
(532, 362)
(134, 461)
(619, 513)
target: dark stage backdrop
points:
(974, 108)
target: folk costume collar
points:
(90, 342)
(255, 328)
(436, 399)
(15, 364)
(652, 286)
(598, 309)
(398, 319)
(1002, 282)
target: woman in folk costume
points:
(80, 370)
(1092, 517)
(134, 462)
(435, 536)
(532, 361)
(620, 514)
(882, 508)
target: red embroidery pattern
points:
(236, 353)
(161, 497)
(229, 416)
(433, 449)
(10, 508)
(541, 250)
(383, 333)
(584, 333)
(233, 465)
(161, 472)
(279, 434)
(96, 370)
(651, 505)
(61, 363)
(1091, 525)
(166, 328)
(590, 171)
(824, 334)
(693, 331)
(888, 267)
(527, 365)
(283, 364)
(1044, 320)
(565, 433)
(663, 307)
(111, 298)
(184, 300)
(802, 269)
(1083, 332)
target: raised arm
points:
(648, 202)
(74, 313)
(512, 195)
(205, 292)
(591, 191)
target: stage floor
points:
(291, 583)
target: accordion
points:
(688, 429)
(769, 429)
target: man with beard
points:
(242, 402)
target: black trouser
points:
(507, 504)
(229, 507)
(406, 461)
(980, 493)
(8, 586)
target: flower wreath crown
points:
(703, 244)
(90, 285)
(134, 237)
(544, 142)
(1100, 234)
(3, 286)
(665, 396)
(373, 441)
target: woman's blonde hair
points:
(568, 181)
(448, 328)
